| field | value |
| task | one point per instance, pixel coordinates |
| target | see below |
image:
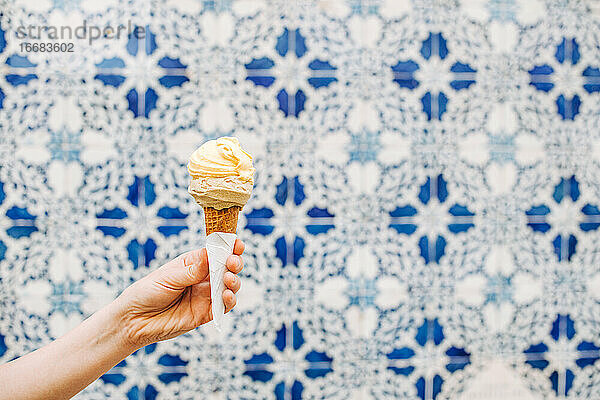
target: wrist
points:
(118, 312)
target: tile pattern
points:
(425, 223)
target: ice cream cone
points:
(222, 180)
(224, 220)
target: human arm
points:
(168, 302)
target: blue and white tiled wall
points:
(426, 218)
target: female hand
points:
(170, 301)
(175, 298)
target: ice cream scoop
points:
(222, 181)
(220, 158)
(222, 174)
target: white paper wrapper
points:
(219, 246)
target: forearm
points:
(66, 366)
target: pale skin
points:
(166, 303)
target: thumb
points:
(186, 270)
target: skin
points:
(168, 302)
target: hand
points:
(175, 298)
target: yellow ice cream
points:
(222, 174)
(220, 158)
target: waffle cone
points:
(224, 220)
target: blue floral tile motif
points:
(66, 5)
(499, 289)
(141, 253)
(2, 47)
(3, 247)
(436, 220)
(218, 6)
(425, 362)
(433, 76)
(142, 215)
(362, 292)
(569, 216)
(66, 297)
(3, 347)
(23, 223)
(290, 360)
(142, 72)
(502, 148)
(562, 355)
(502, 10)
(292, 219)
(109, 71)
(364, 7)
(22, 70)
(2, 39)
(364, 146)
(65, 146)
(291, 71)
(382, 131)
(566, 78)
(142, 368)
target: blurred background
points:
(425, 221)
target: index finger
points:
(238, 247)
